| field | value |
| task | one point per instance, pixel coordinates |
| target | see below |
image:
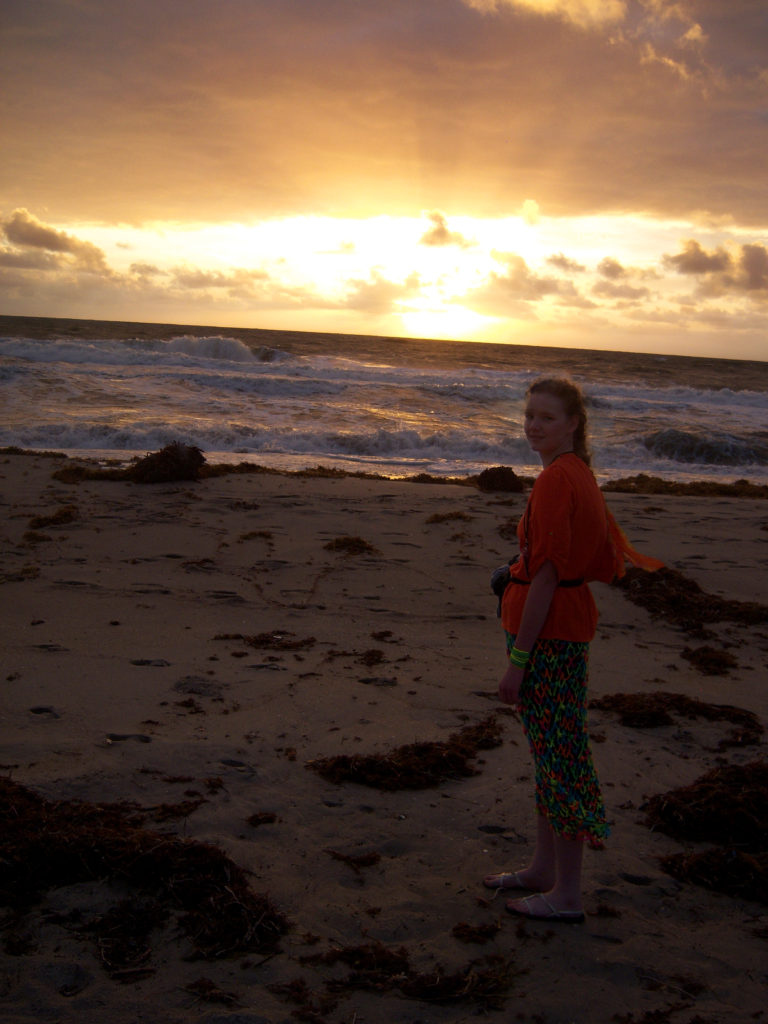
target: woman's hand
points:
(509, 687)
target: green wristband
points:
(519, 658)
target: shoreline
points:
(183, 653)
(397, 410)
(638, 483)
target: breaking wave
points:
(714, 450)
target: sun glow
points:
(594, 281)
(322, 249)
(452, 255)
(449, 322)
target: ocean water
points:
(391, 406)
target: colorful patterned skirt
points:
(553, 707)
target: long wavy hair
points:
(573, 404)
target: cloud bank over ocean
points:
(486, 169)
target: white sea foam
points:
(268, 404)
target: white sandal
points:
(523, 909)
(505, 880)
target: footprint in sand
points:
(48, 712)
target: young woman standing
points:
(567, 537)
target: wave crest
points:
(715, 450)
(221, 347)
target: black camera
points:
(499, 582)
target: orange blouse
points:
(566, 522)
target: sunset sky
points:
(554, 172)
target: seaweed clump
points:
(727, 807)
(62, 517)
(173, 463)
(651, 710)
(710, 661)
(642, 483)
(419, 765)
(48, 844)
(350, 546)
(277, 640)
(669, 594)
(446, 517)
(500, 478)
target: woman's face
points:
(547, 427)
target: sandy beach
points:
(197, 652)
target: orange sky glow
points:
(585, 173)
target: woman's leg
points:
(564, 895)
(566, 892)
(540, 873)
(555, 868)
(542, 870)
(563, 900)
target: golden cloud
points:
(25, 230)
(585, 13)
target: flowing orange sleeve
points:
(623, 551)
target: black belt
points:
(561, 583)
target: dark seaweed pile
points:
(727, 807)
(47, 844)
(642, 483)
(415, 765)
(650, 710)
(173, 463)
(670, 595)
(710, 661)
(500, 478)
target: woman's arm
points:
(537, 604)
(541, 590)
